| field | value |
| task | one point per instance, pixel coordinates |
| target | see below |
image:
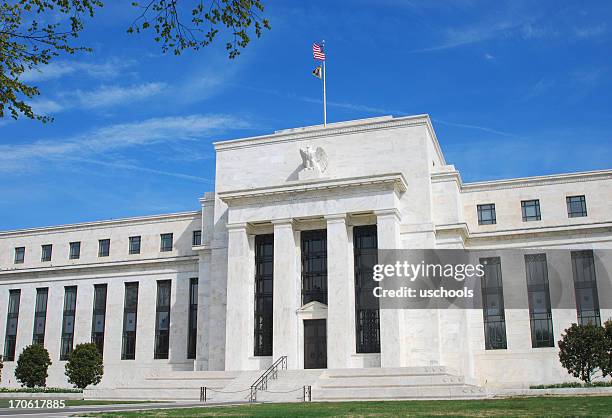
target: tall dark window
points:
(70, 295)
(134, 245)
(130, 308)
(166, 242)
(197, 238)
(367, 312)
(40, 316)
(98, 320)
(585, 285)
(486, 214)
(45, 253)
(493, 304)
(12, 318)
(162, 320)
(538, 291)
(75, 250)
(192, 336)
(576, 206)
(264, 282)
(103, 247)
(314, 266)
(531, 210)
(19, 255)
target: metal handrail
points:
(270, 373)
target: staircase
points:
(289, 386)
(435, 382)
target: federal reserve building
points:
(274, 268)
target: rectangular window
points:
(45, 253)
(40, 316)
(103, 247)
(264, 283)
(576, 206)
(486, 214)
(531, 210)
(197, 238)
(134, 245)
(98, 321)
(314, 266)
(162, 320)
(19, 255)
(367, 311)
(130, 308)
(192, 336)
(166, 242)
(70, 295)
(75, 250)
(493, 304)
(12, 318)
(538, 291)
(585, 286)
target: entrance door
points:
(315, 344)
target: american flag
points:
(317, 52)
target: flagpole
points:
(324, 92)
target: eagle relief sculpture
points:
(314, 162)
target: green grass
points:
(511, 407)
(573, 385)
(4, 403)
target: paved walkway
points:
(75, 410)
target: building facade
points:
(273, 264)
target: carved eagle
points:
(314, 158)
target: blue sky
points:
(514, 89)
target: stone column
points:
(391, 320)
(240, 282)
(340, 289)
(287, 292)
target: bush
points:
(582, 350)
(84, 366)
(40, 390)
(1, 366)
(32, 366)
(606, 368)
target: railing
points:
(270, 373)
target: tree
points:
(84, 366)
(32, 366)
(26, 43)
(582, 350)
(606, 367)
(1, 366)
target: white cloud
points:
(590, 32)
(106, 70)
(489, 57)
(113, 138)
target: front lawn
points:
(510, 407)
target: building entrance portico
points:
(315, 344)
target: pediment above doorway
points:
(312, 310)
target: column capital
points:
(388, 212)
(239, 226)
(282, 222)
(335, 217)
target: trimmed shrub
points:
(32, 366)
(582, 350)
(84, 366)
(606, 367)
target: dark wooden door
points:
(315, 344)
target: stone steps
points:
(436, 382)
(289, 387)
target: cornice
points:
(538, 181)
(395, 180)
(102, 224)
(333, 129)
(87, 266)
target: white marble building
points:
(275, 244)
